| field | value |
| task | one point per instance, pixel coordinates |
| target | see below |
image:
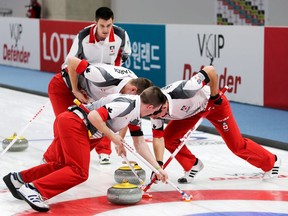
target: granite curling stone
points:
(125, 172)
(20, 145)
(124, 193)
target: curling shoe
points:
(104, 159)
(31, 195)
(273, 173)
(13, 183)
(190, 175)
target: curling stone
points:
(125, 172)
(20, 145)
(124, 193)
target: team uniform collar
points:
(170, 107)
(138, 105)
(123, 83)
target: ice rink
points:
(226, 186)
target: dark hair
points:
(154, 96)
(104, 13)
(141, 84)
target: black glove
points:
(153, 174)
(216, 99)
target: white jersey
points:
(185, 98)
(114, 50)
(122, 110)
(101, 80)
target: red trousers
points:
(71, 147)
(60, 95)
(61, 98)
(222, 118)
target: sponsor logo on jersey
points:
(112, 50)
(185, 108)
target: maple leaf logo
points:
(109, 109)
(135, 121)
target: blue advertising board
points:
(148, 57)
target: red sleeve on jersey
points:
(134, 127)
(82, 66)
(135, 130)
(118, 59)
(157, 133)
(103, 112)
(206, 77)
